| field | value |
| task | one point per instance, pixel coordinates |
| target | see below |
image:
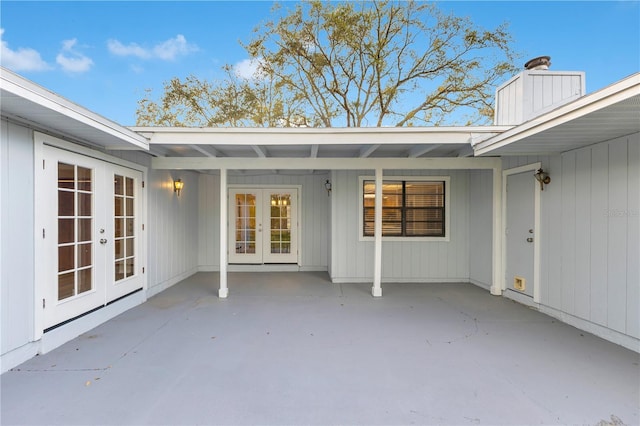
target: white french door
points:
(263, 225)
(91, 234)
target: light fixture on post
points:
(327, 186)
(542, 177)
(178, 184)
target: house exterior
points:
(542, 207)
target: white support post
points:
(223, 292)
(498, 273)
(376, 290)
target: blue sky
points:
(103, 55)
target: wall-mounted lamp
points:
(542, 177)
(178, 184)
(327, 186)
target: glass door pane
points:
(124, 227)
(245, 223)
(281, 226)
(75, 221)
(280, 219)
(245, 219)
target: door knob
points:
(103, 241)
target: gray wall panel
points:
(17, 247)
(401, 260)
(590, 236)
(313, 216)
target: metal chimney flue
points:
(539, 63)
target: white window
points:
(413, 208)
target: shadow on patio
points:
(292, 348)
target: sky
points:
(103, 55)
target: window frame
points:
(447, 207)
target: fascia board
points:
(17, 86)
(316, 136)
(270, 163)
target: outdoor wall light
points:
(327, 186)
(542, 177)
(178, 184)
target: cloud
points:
(249, 69)
(23, 59)
(132, 49)
(168, 50)
(71, 60)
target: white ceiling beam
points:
(313, 154)
(237, 163)
(260, 151)
(366, 151)
(417, 151)
(207, 151)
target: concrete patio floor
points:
(294, 349)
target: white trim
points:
(497, 271)
(299, 212)
(447, 208)
(396, 280)
(315, 136)
(371, 163)
(223, 291)
(376, 290)
(536, 226)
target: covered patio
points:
(293, 348)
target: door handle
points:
(529, 240)
(103, 241)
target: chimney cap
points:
(539, 63)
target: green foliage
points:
(353, 64)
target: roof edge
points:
(26, 89)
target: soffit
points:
(316, 143)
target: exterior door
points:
(520, 232)
(91, 234)
(263, 225)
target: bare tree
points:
(372, 63)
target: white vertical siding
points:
(17, 249)
(590, 219)
(401, 261)
(313, 214)
(508, 108)
(598, 227)
(532, 93)
(172, 228)
(480, 227)
(633, 238)
(208, 222)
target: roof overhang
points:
(27, 103)
(387, 142)
(607, 114)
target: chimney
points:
(535, 91)
(539, 63)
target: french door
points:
(91, 234)
(263, 225)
